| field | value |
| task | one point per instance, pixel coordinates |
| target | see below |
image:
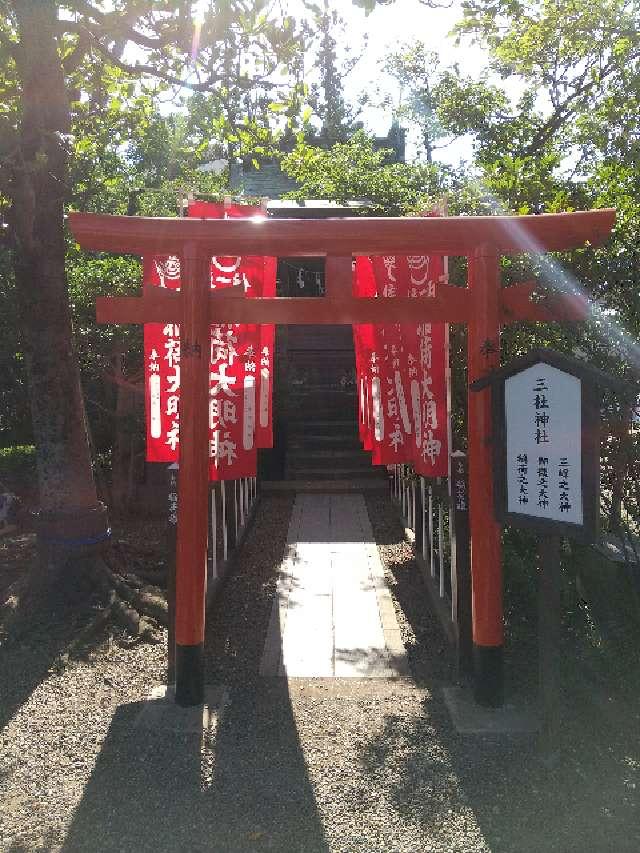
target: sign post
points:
(549, 631)
(546, 445)
(545, 436)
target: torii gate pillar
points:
(483, 354)
(193, 477)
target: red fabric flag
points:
(431, 444)
(241, 364)
(258, 277)
(403, 369)
(232, 401)
(431, 452)
(392, 280)
(364, 284)
(264, 422)
(162, 367)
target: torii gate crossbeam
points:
(483, 305)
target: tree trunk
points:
(620, 461)
(38, 186)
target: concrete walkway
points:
(333, 615)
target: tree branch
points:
(563, 111)
(76, 56)
(139, 68)
(116, 24)
(97, 37)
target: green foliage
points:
(327, 100)
(569, 142)
(356, 170)
(122, 151)
(418, 73)
(577, 63)
(17, 466)
(465, 104)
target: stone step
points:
(331, 416)
(316, 419)
(295, 473)
(322, 455)
(318, 391)
(378, 484)
(316, 368)
(309, 442)
(323, 426)
(351, 463)
(327, 439)
(320, 399)
(319, 357)
(297, 411)
(319, 337)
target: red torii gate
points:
(484, 306)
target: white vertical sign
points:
(264, 397)
(249, 422)
(543, 420)
(155, 414)
(378, 416)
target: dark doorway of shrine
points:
(315, 394)
(315, 397)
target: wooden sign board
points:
(542, 424)
(546, 443)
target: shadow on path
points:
(429, 656)
(500, 790)
(243, 787)
(497, 793)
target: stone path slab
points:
(333, 615)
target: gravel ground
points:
(336, 766)
(58, 716)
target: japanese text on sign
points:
(543, 417)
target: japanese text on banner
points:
(241, 365)
(402, 369)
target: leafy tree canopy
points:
(579, 65)
(356, 170)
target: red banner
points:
(241, 364)
(392, 279)
(162, 367)
(264, 422)
(431, 447)
(401, 369)
(364, 284)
